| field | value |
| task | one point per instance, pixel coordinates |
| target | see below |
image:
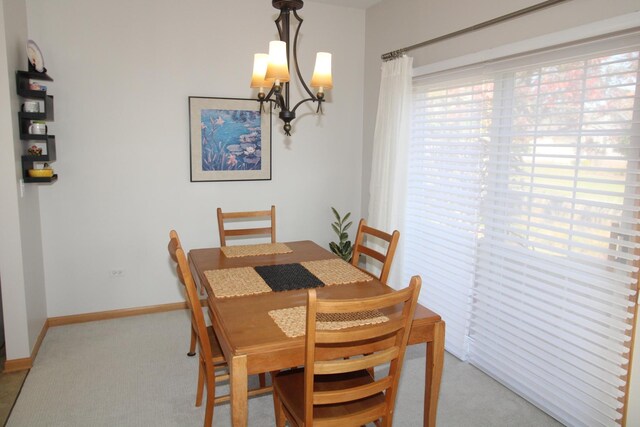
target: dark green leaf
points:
(348, 255)
(334, 248)
(335, 212)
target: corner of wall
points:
(21, 261)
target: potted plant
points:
(343, 248)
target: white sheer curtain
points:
(387, 190)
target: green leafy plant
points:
(343, 248)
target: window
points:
(522, 218)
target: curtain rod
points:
(397, 53)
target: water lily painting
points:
(230, 139)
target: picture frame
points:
(230, 139)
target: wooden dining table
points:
(253, 343)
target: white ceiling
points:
(358, 4)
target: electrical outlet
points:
(116, 273)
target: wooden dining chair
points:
(336, 388)
(385, 259)
(247, 216)
(209, 350)
(174, 244)
(219, 370)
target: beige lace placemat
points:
(292, 321)
(235, 282)
(255, 250)
(336, 272)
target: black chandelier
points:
(272, 70)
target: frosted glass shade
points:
(278, 68)
(322, 71)
(260, 61)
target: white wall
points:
(13, 298)
(21, 261)
(394, 24)
(123, 71)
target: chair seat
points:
(289, 384)
(216, 350)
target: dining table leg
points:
(238, 383)
(433, 374)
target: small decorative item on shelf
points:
(31, 107)
(45, 172)
(34, 150)
(36, 60)
(38, 127)
(37, 86)
(40, 173)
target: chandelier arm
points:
(295, 57)
(313, 98)
(267, 97)
(279, 24)
(283, 25)
(265, 100)
(280, 100)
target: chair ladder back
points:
(224, 232)
(196, 312)
(181, 278)
(365, 250)
(395, 366)
(393, 333)
(352, 393)
(364, 304)
(386, 258)
(247, 232)
(310, 356)
(340, 366)
(375, 331)
(174, 244)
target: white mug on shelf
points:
(31, 107)
(38, 129)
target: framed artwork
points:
(230, 139)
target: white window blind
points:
(522, 218)
(447, 161)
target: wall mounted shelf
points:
(24, 90)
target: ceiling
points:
(358, 4)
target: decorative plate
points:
(35, 56)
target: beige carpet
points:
(135, 372)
